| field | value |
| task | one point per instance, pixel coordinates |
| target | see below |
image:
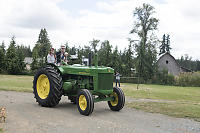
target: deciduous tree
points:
(144, 28)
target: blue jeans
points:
(117, 81)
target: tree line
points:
(138, 59)
(12, 59)
(120, 61)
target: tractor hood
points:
(85, 70)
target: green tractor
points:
(83, 85)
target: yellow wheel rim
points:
(43, 86)
(82, 102)
(115, 101)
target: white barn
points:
(168, 62)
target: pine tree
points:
(35, 63)
(67, 48)
(163, 45)
(26, 50)
(116, 60)
(20, 58)
(105, 53)
(94, 44)
(80, 55)
(11, 58)
(151, 58)
(2, 57)
(198, 65)
(168, 48)
(3, 47)
(86, 51)
(41, 49)
(129, 60)
(73, 51)
(44, 45)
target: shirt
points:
(118, 76)
(50, 58)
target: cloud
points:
(35, 14)
(180, 20)
(25, 18)
(108, 20)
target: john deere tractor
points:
(84, 85)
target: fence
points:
(129, 80)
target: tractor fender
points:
(55, 67)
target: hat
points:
(51, 49)
(63, 46)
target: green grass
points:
(19, 83)
(176, 109)
(175, 93)
(1, 130)
(185, 100)
(178, 101)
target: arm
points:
(48, 59)
(55, 58)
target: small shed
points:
(28, 61)
(168, 62)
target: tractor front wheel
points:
(85, 102)
(118, 99)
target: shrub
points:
(188, 79)
(164, 78)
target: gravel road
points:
(25, 116)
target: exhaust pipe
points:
(90, 59)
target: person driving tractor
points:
(61, 55)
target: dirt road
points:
(25, 116)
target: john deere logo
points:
(83, 73)
(108, 70)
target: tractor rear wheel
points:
(47, 86)
(118, 99)
(85, 102)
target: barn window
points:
(167, 61)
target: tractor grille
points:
(105, 81)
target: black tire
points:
(72, 99)
(90, 102)
(118, 104)
(55, 92)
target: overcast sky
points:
(79, 21)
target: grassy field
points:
(1, 130)
(16, 83)
(170, 100)
(176, 93)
